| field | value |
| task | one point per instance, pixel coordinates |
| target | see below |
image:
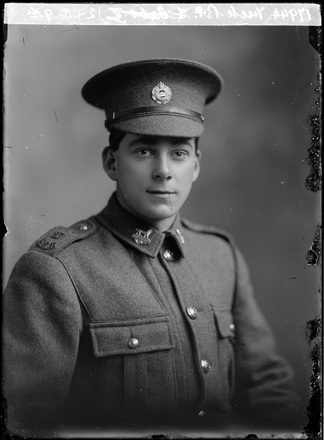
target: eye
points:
(143, 152)
(179, 154)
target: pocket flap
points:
(133, 337)
(225, 324)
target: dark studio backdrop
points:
(254, 149)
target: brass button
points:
(205, 365)
(232, 327)
(133, 343)
(201, 414)
(168, 255)
(83, 227)
(192, 312)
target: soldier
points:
(137, 317)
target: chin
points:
(161, 213)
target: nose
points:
(161, 170)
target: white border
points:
(164, 14)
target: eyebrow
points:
(182, 141)
(152, 141)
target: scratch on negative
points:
(56, 118)
(31, 65)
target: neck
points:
(161, 225)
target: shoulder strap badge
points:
(46, 245)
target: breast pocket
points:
(226, 334)
(134, 366)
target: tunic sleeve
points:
(42, 323)
(264, 380)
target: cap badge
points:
(161, 93)
(142, 237)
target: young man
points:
(136, 317)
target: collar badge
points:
(142, 237)
(180, 235)
(161, 93)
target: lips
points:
(160, 192)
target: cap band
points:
(149, 111)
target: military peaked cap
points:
(161, 97)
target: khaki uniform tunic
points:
(106, 323)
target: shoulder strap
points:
(60, 237)
(196, 227)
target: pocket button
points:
(133, 343)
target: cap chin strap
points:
(150, 111)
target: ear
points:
(196, 166)
(109, 163)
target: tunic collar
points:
(128, 228)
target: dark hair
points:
(116, 136)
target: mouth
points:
(161, 192)
(162, 196)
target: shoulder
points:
(209, 230)
(60, 237)
(210, 248)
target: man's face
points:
(154, 175)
